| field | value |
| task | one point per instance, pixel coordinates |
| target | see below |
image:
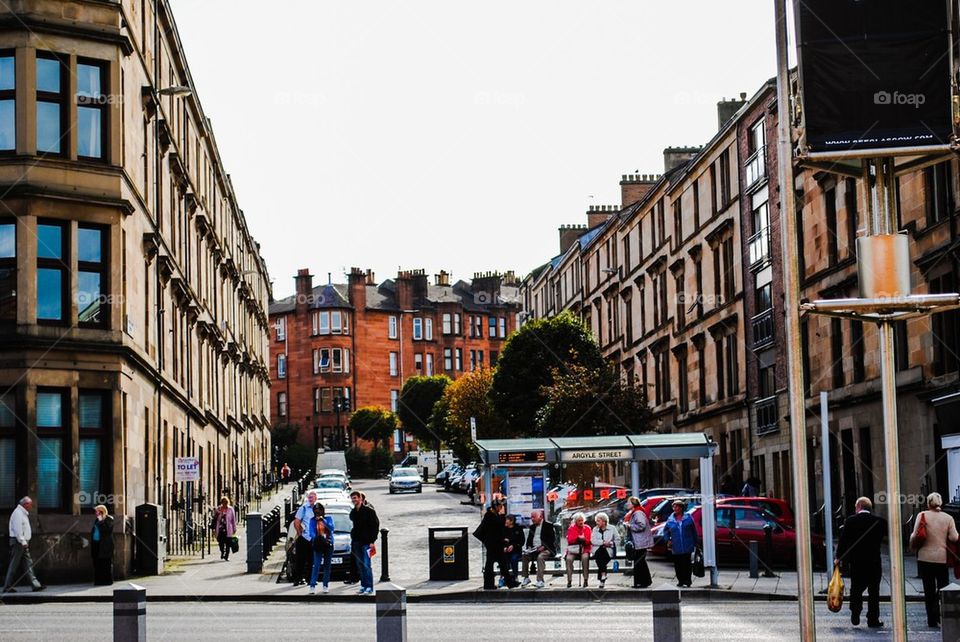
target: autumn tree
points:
(468, 396)
(415, 407)
(374, 424)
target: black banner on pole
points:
(874, 74)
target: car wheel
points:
(419, 489)
(391, 491)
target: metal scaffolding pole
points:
(791, 289)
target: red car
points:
(737, 526)
(777, 507)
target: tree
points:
(415, 407)
(468, 396)
(529, 362)
(373, 423)
(592, 401)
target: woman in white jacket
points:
(604, 545)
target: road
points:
(742, 621)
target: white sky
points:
(450, 135)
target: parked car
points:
(333, 473)
(405, 480)
(469, 478)
(327, 483)
(342, 525)
(779, 508)
(451, 480)
(446, 472)
(737, 526)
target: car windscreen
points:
(341, 522)
(330, 483)
(406, 472)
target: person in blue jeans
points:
(366, 527)
(321, 539)
(680, 534)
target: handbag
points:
(835, 591)
(697, 567)
(919, 537)
(629, 550)
(320, 544)
(235, 544)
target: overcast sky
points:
(442, 134)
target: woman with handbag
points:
(578, 546)
(321, 531)
(639, 539)
(225, 527)
(932, 533)
(602, 540)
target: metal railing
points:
(766, 415)
(762, 325)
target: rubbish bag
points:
(835, 591)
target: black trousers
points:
(304, 560)
(682, 567)
(934, 578)
(224, 543)
(868, 581)
(102, 567)
(601, 558)
(496, 555)
(641, 572)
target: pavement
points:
(408, 518)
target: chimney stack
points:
(675, 156)
(633, 187)
(727, 109)
(598, 214)
(411, 288)
(569, 234)
(357, 289)
(442, 279)
(304, 281)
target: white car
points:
(405, 480)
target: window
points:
(733, 371)
(8, 109)
(946, 338)
(337, 359)
(93, 432)
(473, 360)
(701, 373)
(8, 448)
(766, 381)
(429, 364)
(322, 363)
(478, 324)
(428, 329)
(681, 300)
(856, 339)
(447, 323)
(725, 178)
(901, 352)
(91, 110)
(394, 400)
(92, 277)
(677, 222)
(281, 366)
(281, 329)
(326, 400)
(392, 327)
(418, 363)
(321, 322)
(447, 359)
(417, 329)
(282, 404)
(850, 197)
(503, 327)
(53, 282)
(337, 326)
(51, 451)
(836, 351)
(729, 273)
(756, 143)
(316, 400)
(459, 354)
(393, 364)
(456, 323)
(494, 355)
(51, 107)
(480, 358)
(682, 397)
(8, 271)
(721, 373)
(830, 209)
(492, 327)
(661, 365)
(938, 183)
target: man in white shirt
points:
(302, 546)
(20, 534)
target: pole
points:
(791, 290)
(827, 481)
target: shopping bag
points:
(235, 544)
(835, 591)
(919, 537)
(697, 566)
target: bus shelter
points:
(545, 452)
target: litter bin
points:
(449, 554)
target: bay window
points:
(417, 329)
(53, 282)
(51, 451)
(93, 431)
(51, 104)
(91, 275)
(8, 108)
(91, 109)
(8, 271)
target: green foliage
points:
(284, 435)
(286, 450)
(466, 397)
(358, 462)
(301, 459)
(373, 423)
(592, 401)
(415, 406)
(530, 360)
(381, 461)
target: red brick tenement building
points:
(340, 346)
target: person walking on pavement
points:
(101, 546)
(285, 473)
(321, 527)
(680, 534)
(639, 532)
(225, 527)
(366, 528)
(859, 545)
(492, 533)
(541, 545)
(303, 546)
(932, 553)
(20, 534)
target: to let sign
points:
(186, 469)
(613, 454)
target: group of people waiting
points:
(507, 546)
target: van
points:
(331, 459)
(427, 459)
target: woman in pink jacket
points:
(578, 546)
(932, 553)
(225, 527)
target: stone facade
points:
(132, 295)
(360, 340)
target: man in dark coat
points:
(859, 546)
(366, 528)
(493, 534)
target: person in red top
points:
(285, 473)
(578, 546)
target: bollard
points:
(754, 560)
(391, 613)
(384, 556)
(287, 515)
(666, 614)
(950, 612)
(254, 543)
(130, 614)
(768, 558)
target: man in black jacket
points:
(541, 545)
(366, 527)
(859, 545)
